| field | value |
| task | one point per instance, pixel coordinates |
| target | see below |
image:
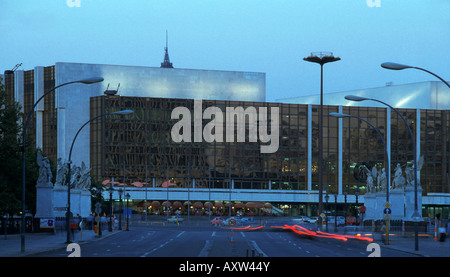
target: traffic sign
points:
(362, 209)
(97, 207)
(232, 222)
(387, 205)
(387, 211)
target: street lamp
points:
(342, 115)
(120, 191)
(83, 81)
(397, 66)
(110, 189)
(416, 215)
(123, 112)
(99, 217)
(357, 214)
(321, 58)
(326, 216)
(127, 196)
(335, 210)
(345, 207)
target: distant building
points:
(139, 148)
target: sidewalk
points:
(41, 242)
(427, 246)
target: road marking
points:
(213, 234)
(242, 234)
(258, 249)
(162, 245)
(205, 249)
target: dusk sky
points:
(270, 36)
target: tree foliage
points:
(11, 160)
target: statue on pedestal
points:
(61, 172)
(371, 177)
(75, 175)
(45, 173)
(399, 181)
(382, 181)
(84, 182)
(410, 172)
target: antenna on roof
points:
(166, 63)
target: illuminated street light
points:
(321, 58)
(397, 66)
(87, 81)
(123, 112)
(416, 215)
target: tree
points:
(11, 160)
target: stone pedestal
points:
(59, 201)
(85, 203)
(44, 202)
(397, 202)
(381, 201)
(409, 202)
(370, 203)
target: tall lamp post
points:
(397, 66)
(110, 225)
(124, 112)
(127, 196)
(326, 215)
(335, 210)
(30, 113)
(345, 207)
(321, 58)
(342, 115)
(416, 215)
(120, 191)
(357, 214)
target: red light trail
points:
(303, 231)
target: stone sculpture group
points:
(51, 199)
(401, 192)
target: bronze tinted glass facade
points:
(141, 144)
(143, 141)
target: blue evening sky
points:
(270, 36)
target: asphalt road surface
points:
(205, 240)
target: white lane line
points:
(257, 248)
(162, 245)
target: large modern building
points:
(140, 148)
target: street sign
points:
(387, 216)
(97, 208)
(362, 209)
(387, 211)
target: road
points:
(204, 240)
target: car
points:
(226, 222)
(340, 221)
(302, 219)
(175, 219)
(217, 220)
(313, 219)
(245, 219)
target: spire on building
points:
(166, 63)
